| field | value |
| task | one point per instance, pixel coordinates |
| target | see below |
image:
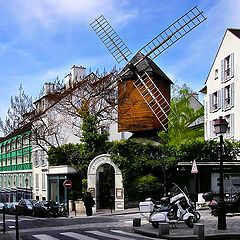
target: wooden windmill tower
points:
(143, 88)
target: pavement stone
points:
(210, 228)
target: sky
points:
(40, 40)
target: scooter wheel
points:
(197, 216)
(215, 212)
(190, 222)
(155, 224)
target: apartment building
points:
(15, 165)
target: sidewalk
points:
(210, 228)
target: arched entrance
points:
(105, 181)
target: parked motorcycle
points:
(232, 203)
(62, 211)
(176, 207)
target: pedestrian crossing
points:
(91, 235)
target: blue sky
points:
(40, 40)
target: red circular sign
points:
(67, 184)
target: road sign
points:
(67, 184)
(194, 167)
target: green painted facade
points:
(15, 161)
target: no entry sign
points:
(67, 184)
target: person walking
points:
(88, 203)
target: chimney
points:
(78, 72)
(48, 88)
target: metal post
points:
(221, 203)
(16, 223)
(195, 190)
(4, 220)
(164, 182)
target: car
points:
(46, 209)
(25, 206)
(12, 207)
(7, 207)
(1, 207)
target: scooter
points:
(177, 210)
(232, 203)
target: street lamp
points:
(220, 126)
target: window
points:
(37, 180)
(214, 101)
(216, 74)
(43, 159)
(228, 96)
(43, 181)
(26, 158)
(227, 67)
(35, 158)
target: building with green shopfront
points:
(16, 165)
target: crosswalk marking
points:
(102, 234)
(130, 234)
(77, 236)
(44, 237)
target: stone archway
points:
(93, 177)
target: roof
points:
(146, 65)
(18, 131)
(235, 31)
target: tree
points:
(181, 116)
(79, 155)
(139, 161)
(60, 110)
(20, 106)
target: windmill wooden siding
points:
(134, 114)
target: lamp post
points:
(26, 184)
(220, 126)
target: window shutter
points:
(232, 95)
(219, 99)
(210, 129)
(223, 99)
(232, 64)
(232, 125)
(222, 70)
(210, 103)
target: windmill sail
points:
(110, 38)
(173, 33)
(154, 98)
(151, 94)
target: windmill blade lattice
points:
(154, 98)
(173, 33)
(110, 38)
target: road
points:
(83, 228)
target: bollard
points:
(4, 220)
(137, 222)
(16, 223)
(198, 229)
(163, 229)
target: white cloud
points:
(50, 13)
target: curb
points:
(220, 236)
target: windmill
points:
(144, 102)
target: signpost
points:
(67, 185)
(195, 171)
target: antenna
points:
(110, 38)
